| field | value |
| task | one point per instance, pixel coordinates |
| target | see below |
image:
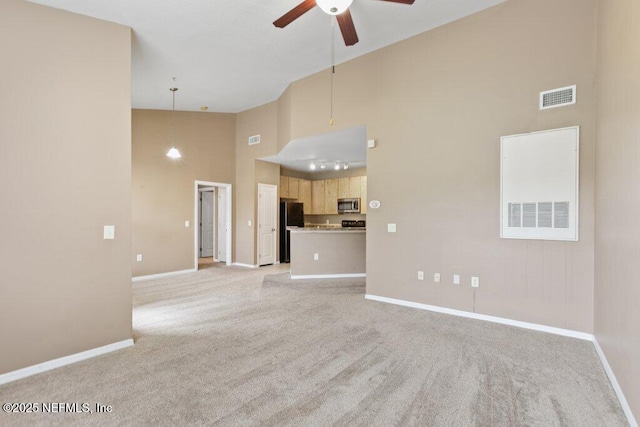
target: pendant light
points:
(173, 152)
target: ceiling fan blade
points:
(294, 13)
(347, 28)
(401, 1)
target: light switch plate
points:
(456, 279)
(186, 224)
(249, 223)
(391, 228)
(139, 257)
(109, 232)
(316, 257)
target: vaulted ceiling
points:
(228, 56)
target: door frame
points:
(196, 215)
(276, 205)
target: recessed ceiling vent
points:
(255, 139)
(558, 97)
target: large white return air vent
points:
(558, 97)
(539, 185)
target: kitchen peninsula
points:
(328, 252)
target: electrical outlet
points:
(391, 228)
(186, 224)
(316, 257)
(456, 279)
(436, 278)
(139, 257)
(249, 223)
(475, 282)
(420, 275)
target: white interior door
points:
(223, 224)
(267, 217)
(207, 225)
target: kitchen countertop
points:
(327, 230)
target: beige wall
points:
(163, 188)
(617, 317)
(339, 252)
(437, 105)
(263, 121)
(65, 141)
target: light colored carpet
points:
(225, 346)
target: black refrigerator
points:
(291, 215)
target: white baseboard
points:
(494, 319)
(239, 264)
(526, 325)
(616, 386)
(63, 361)
(161, 275)
(327, 276)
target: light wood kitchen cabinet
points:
(284, 186)
(331, 196)
(320, 197)
(349, 188)
(354, 187)
(293, 187)
(343, 188)
(363, 195)
(304, 195)
(317, 197)
(288, 187)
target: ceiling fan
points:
(339, 8)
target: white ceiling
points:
(348, 145)
(227, 55)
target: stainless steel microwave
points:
(348, 206)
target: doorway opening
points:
(212, 219)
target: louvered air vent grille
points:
(539, 215)
(558, 97)
(255, 139)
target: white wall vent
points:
(255, 139)
(558, 97)
(539, 185)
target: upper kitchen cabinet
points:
(304, 194)
(349, 188)
(331, 196)
(288, 187)
(317, 197)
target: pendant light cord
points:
(173, 90)
(333, 66)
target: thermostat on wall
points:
(374, 204)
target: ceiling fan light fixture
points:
(312, 166)
(323, 166)
(334, 7)
(337, 166)
(346, 166)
